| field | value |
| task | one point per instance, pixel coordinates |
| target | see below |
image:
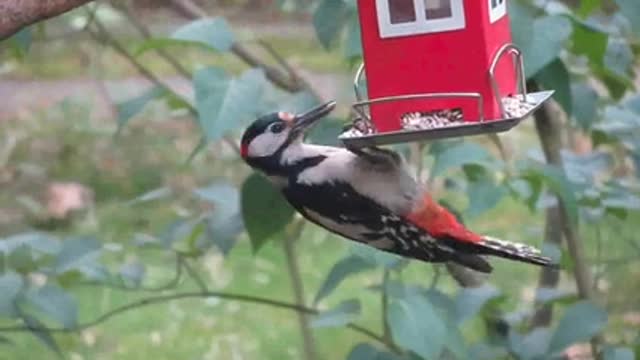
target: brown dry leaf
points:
(62, 198)
(578, 352)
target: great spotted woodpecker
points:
(366, 195)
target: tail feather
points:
(514, 251)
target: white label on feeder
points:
(497, 9)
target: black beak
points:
(303, 122)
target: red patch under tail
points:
(440, 222)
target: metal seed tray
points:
(464, 129)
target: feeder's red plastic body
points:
(448, 61)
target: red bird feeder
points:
(437, 69)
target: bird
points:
(367, 195)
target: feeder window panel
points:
(437, 9)
(413, 17)
(497, 10)
(402, 11)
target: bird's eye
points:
(277, 127)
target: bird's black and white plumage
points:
(366, 195)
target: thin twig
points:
(437, 272)
(189, 295)
(298, 288)
(166, 286)
(194, 275)
(146, 35)
(293, 73)
(386, 329)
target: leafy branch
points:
(288, 80)
(190, 295)
(104, 36)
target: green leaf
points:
(619, 197)
(579, 323)
(133, 273)
(631, 10)
(616, 84)
(225, 104)
(225, 222)
(264, 210)
(328, 20)
(483, 195)
(619, 57)
(531, 346)
(617, 353)
(589, 41)
(585, 102)
(415, 325)
(368, 352)
(341, 315)
(133, 106)
(79, 254)
(540, 39)
(214, 33)
(22, 259)
(587, 7)
(558, 183)
(353, 42)
(5, 341)
(341, 270)
(546, 295)
(619, 122)
(583, 169)
(522, 17)
(456, 154)
(470, 300)
(10, 286)
(556, 76)
(21, 42)
(210, 34)
(55, 303)
(486, 351)
(36, 327)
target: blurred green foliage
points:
(156, 238)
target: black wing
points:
(337, 207)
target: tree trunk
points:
(17, 14)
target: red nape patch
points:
(439, 222)
(244, 150)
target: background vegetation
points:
(131, 229)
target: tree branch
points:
(548, 128)
(279, 78)
(17, 14)
(190, 295)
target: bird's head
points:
(267, 138)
